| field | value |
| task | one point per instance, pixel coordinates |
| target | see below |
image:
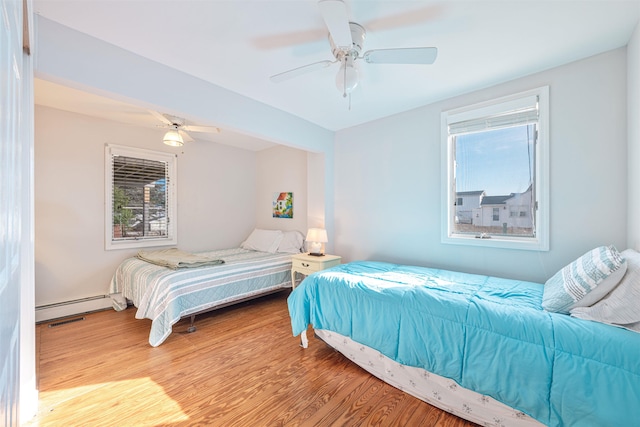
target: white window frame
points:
(540, 242)
(172, 168)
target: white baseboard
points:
(72, 308)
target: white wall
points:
(387, 177)
(216, 200)
(633, 135)
(216, 195)
(281, 169)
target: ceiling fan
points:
(347, 39)
(177, 133)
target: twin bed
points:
(480, 347)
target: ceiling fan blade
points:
(208, 129)
(160, 117)
(290, 39)
(185, 136)
(286, 75)
(409, 55)
(427, 13)
(334, 13)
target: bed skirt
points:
(437, 391)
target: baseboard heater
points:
(66, 321)
(59, 310)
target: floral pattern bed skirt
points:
(438, 391)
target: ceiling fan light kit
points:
(347, 40)
(177, 133)
(173, 138)
(347, 77)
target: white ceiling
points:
(239, 44)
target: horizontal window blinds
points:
(521, 112)
(135, 172)
(140, 197)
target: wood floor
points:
(242, 367)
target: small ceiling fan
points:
(177, 133)
(347, 39)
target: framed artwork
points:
(283, 205)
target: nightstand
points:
(307, 264)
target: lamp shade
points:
(316, 237)
(173, 138)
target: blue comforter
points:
(488, 334)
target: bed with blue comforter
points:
(487, 334)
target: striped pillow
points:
(585, 281)
(621, 307)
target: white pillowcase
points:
(292, 242)
(263, 240)
(621, 307)
(584, 281)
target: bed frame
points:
(192, 328)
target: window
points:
(140, 198)
(495, 155)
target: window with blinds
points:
(496, 173)
(140, 198)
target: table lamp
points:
(315, 238)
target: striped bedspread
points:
(164, 295)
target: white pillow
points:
(292, 242)
(621, 307)
(263, 240)
(585, 281)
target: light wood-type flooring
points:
(242, 367)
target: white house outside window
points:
(495, 170)
(140, 198)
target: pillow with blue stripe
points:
(585, 281)
(621, 306)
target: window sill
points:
(136, 244)
(528, 244)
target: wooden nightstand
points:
(307, 264)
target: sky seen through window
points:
(498, 161)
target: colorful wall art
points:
(283, 205)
